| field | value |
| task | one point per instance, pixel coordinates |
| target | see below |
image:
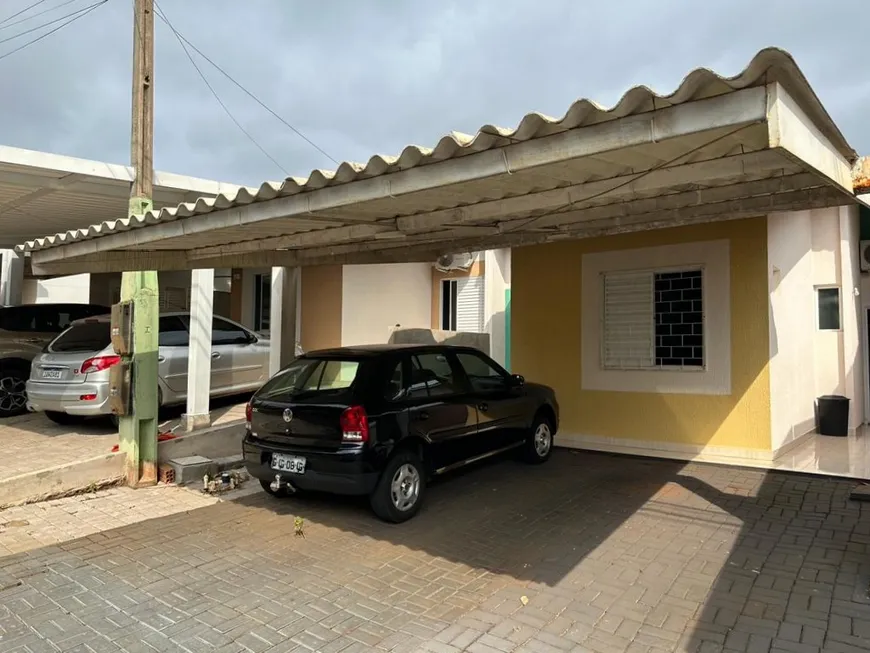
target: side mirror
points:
(517, 381)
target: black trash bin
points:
(833, 415)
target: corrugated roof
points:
(769, 65)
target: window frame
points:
(817, 294)
(262, 289)
(453, 317)
(502, 373)
(716, 379)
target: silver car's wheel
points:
(405, 487)
(13, 393)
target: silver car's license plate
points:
(52, 374)
(284, 463)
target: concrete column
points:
(138, 431)
(199, 354)
(283, 317)
(497, 271)
(11, 277)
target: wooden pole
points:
(138, 431)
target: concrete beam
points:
(736, 109)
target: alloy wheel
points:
(543, 439)
(13, 395)
(405, 487)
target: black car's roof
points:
(376, 350)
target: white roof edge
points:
(769, 65)
(112, 171)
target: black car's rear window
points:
(87, 336)
(311, 376)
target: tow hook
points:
(280, 484)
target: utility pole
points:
(138, 430)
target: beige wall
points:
(321, 307)
(375, 298)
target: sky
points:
(369, 77)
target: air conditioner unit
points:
(865, 255)
(454, 262)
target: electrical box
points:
(122, 328)
(121, 388)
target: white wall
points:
(497, 271)
(75, 288)
(808, 249)
(378, 297)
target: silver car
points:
(70, 378)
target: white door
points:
(469, 304)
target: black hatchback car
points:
(381, 420)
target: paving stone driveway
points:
(587, 553)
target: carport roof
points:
(716, 147)
(40, 192)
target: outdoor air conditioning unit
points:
(449, 262)
(865, 256)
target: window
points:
(88, 336)
(448, 304)
(828, 300)
(432, 376)
(395, 383)
(224, 333)
(482, 376)
(262, 302)
(310, 376)
(172, 332)
(653, 320)
(173, 299)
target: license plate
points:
(52, 374)
(285, 463)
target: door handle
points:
(422, 416)
(161, 359)
(483, 407)
(215, 354)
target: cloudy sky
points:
(370, 76)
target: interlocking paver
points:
(587, 553)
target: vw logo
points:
(288, 415)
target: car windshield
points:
(307, 376)
(83, 337)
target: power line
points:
(77, 12)
(159, 13)
(244, 90)
(36, 15)
(74, 18)
(18, 13)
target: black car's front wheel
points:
(399, 492)
(539, 445)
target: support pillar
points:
(283, 318)
(138, 431)
(11, 277)
(199, 354)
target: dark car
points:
(381, 420)
(24, 331)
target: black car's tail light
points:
(249, 413)
(354, 425)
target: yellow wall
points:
(545, 343)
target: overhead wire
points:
(77, 12)
(5, 24)
(181, 37)
(25, 10)
(74, 16)
(162, 16)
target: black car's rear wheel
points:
(539, 444)
(13, 390)
(399, 492)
